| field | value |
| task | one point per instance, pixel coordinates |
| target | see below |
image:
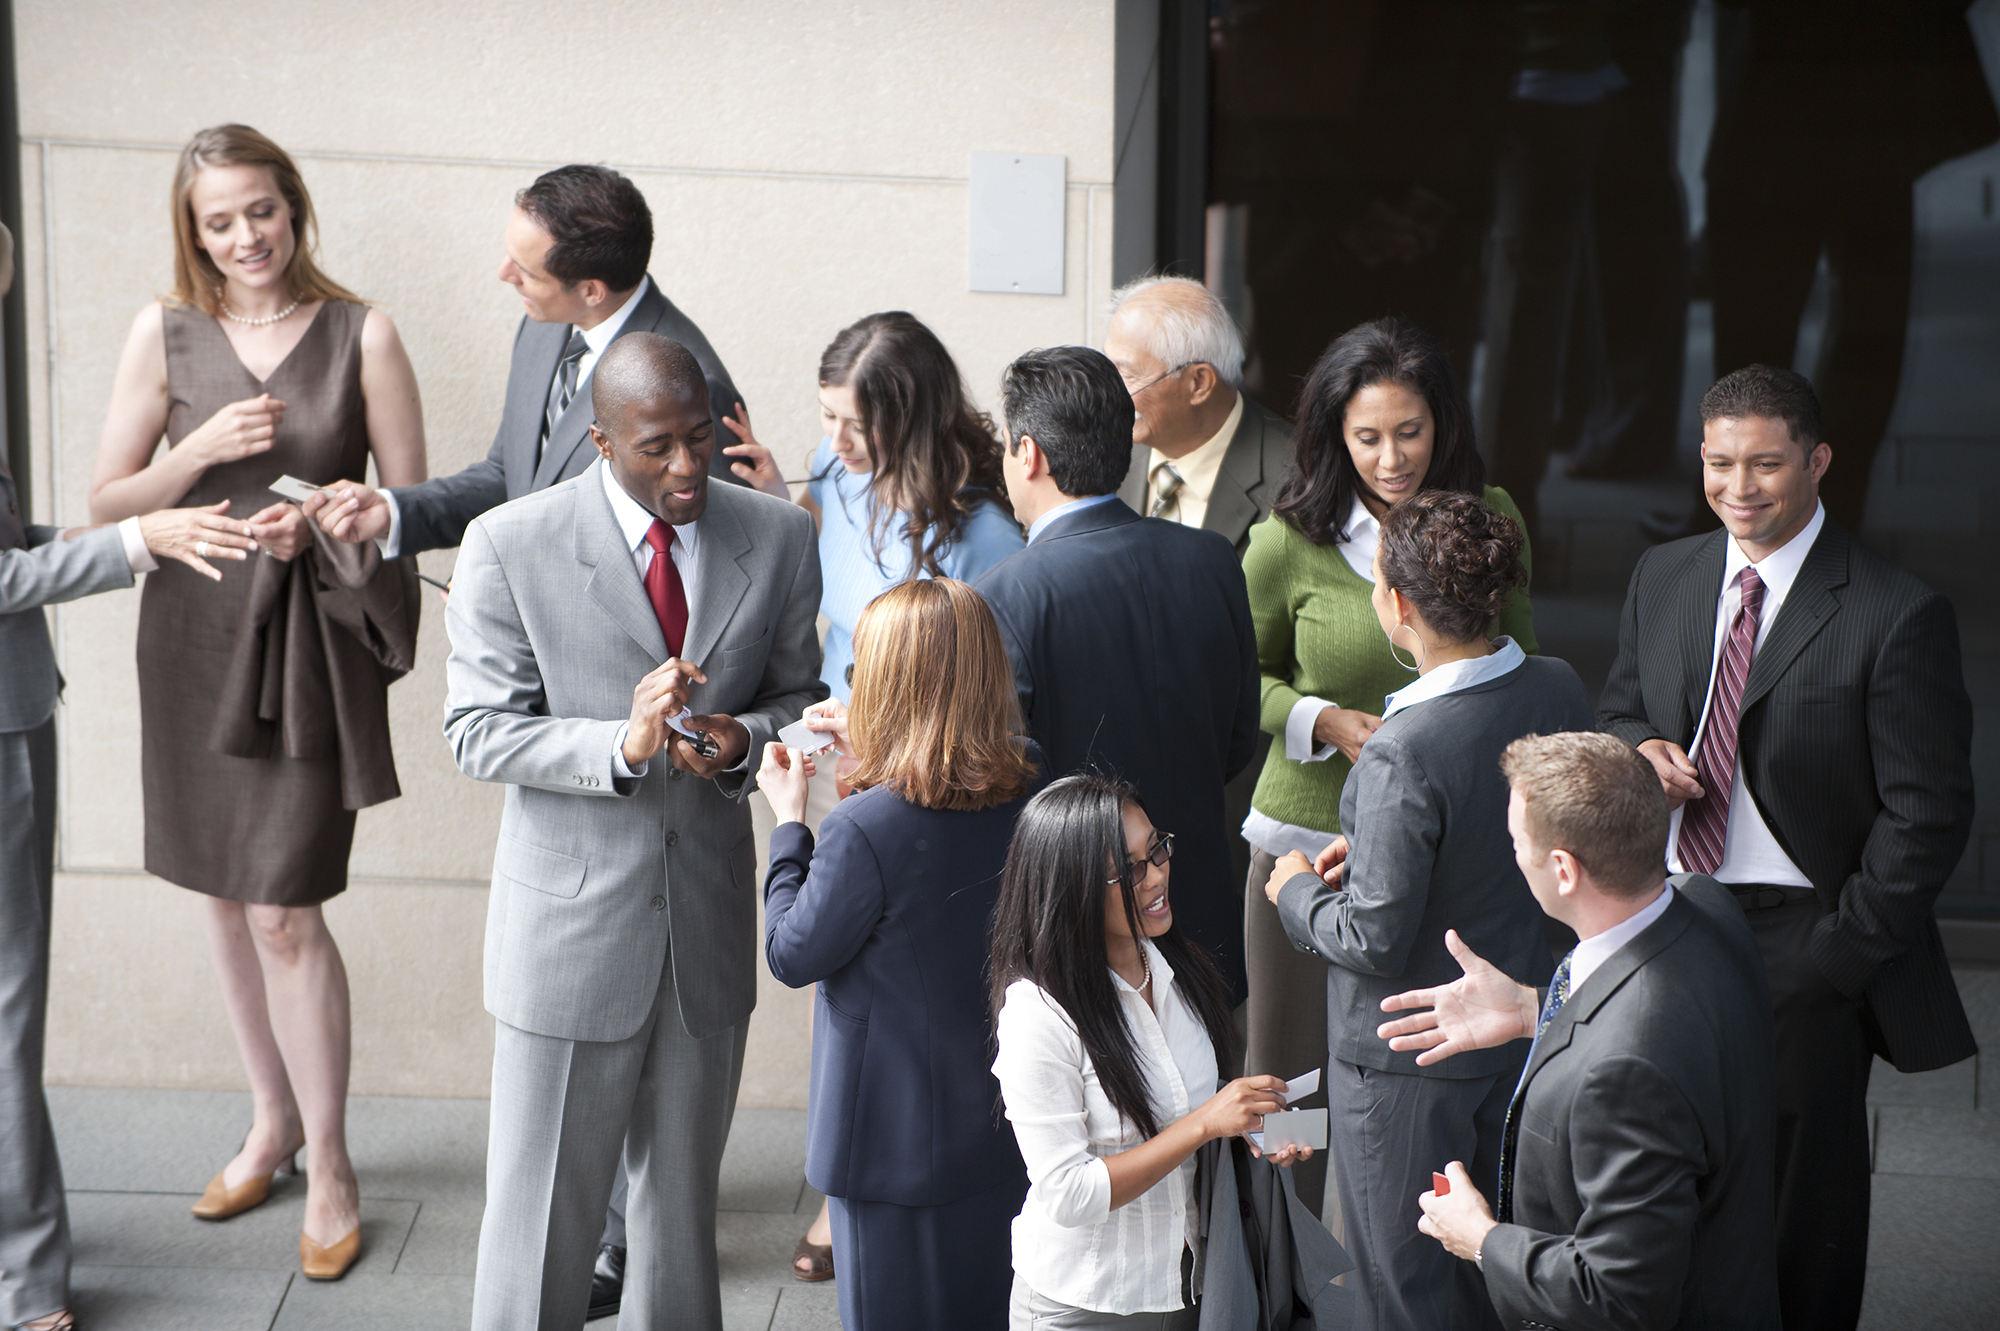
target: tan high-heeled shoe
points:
(328, 1263)
(219, 1202)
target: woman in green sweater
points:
(1380, 418)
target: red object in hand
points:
(1440, 1184)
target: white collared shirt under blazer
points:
(1069, 1244)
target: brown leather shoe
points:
(219, 1202)
(818, 1259)
(329, 1263)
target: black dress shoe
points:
(607, 1283)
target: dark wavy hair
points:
(1323, 482)
(936, 458)
(1049, 928)
(1455, 558)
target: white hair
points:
(1186, 325)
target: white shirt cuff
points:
(393, 542)
(1299, 732)
(619, 767)
(136, 554)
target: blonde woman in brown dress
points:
(263, 697)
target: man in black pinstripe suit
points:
(1803, 702)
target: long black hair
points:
(1323, 482)
(1049, 928)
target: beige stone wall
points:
(806, 165)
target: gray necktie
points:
(562, 390)
(1166, 489)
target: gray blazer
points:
(1255, 466)
(48, 571)
(550, 630)
(1425, 814)
(1639, 1142)
(434, 513)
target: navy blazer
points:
(891, 914)
(1134, 654)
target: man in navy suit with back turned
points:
(577, 248)
(1131, 639)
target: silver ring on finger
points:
(201, 548)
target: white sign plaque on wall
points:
(1017, 222)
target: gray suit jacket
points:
(1254, 467)
(1425, 813)
(550, 630)
(435, 512)
(50, 570)
(1640, 1140)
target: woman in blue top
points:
(906, 482)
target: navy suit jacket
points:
(1134, 654)
(892, 914)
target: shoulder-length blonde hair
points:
(934, 716)
(196, 279)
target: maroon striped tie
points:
(1706, 821)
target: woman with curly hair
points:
(1423, 871)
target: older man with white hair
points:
(1204, 455)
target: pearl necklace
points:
(1146, 963)
(266, 322)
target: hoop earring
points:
(1420, 654)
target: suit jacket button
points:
(659, 903)
(673, 838)
(673, 773)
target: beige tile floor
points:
(134, 1161)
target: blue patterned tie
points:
(1558, 995)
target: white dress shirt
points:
(596, 340)
(1069, 1245)
(136, 554)
(1457, 676)
(635, 521)
(1597, 949)
(1750, 854)
(1197, 470)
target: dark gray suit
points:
(1854, 742)
(435, 512)
(1425, 814)
(1640, 1140)
(37, 568)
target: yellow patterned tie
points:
(1166, 489)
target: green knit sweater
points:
(1317, 637)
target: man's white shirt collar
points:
(1779, 569)
(600, 337)
(1041, 524)
(634, 519)
(1456, 677)
(1594, 951)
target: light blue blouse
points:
(852, 575)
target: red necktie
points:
(1705, 824)
(664, 588)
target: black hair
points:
(934, 456)
(1323, 483)
(1769, 392)
(1072, 403)
(638, 367)
(1455, 558)
(599, 222)
(1049, 928)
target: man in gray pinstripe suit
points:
(1803, 702)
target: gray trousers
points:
(34, 1222)
(562, 1111)
(1029, 1311)
(1387, 1132)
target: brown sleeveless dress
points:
(263, 699)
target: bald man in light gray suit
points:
(621, 935)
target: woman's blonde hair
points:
(197, 282)
(934, 716)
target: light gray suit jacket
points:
(49, 571)
(550, 630)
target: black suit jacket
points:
(1855, 742)
(1133, 653)
(435, 512)
(1254, 467)
(891, 913)
(1640, 1140)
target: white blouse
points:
(1069, 1245)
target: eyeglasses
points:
(1168, 374)
(1162, 851)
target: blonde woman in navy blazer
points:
(889, 914)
